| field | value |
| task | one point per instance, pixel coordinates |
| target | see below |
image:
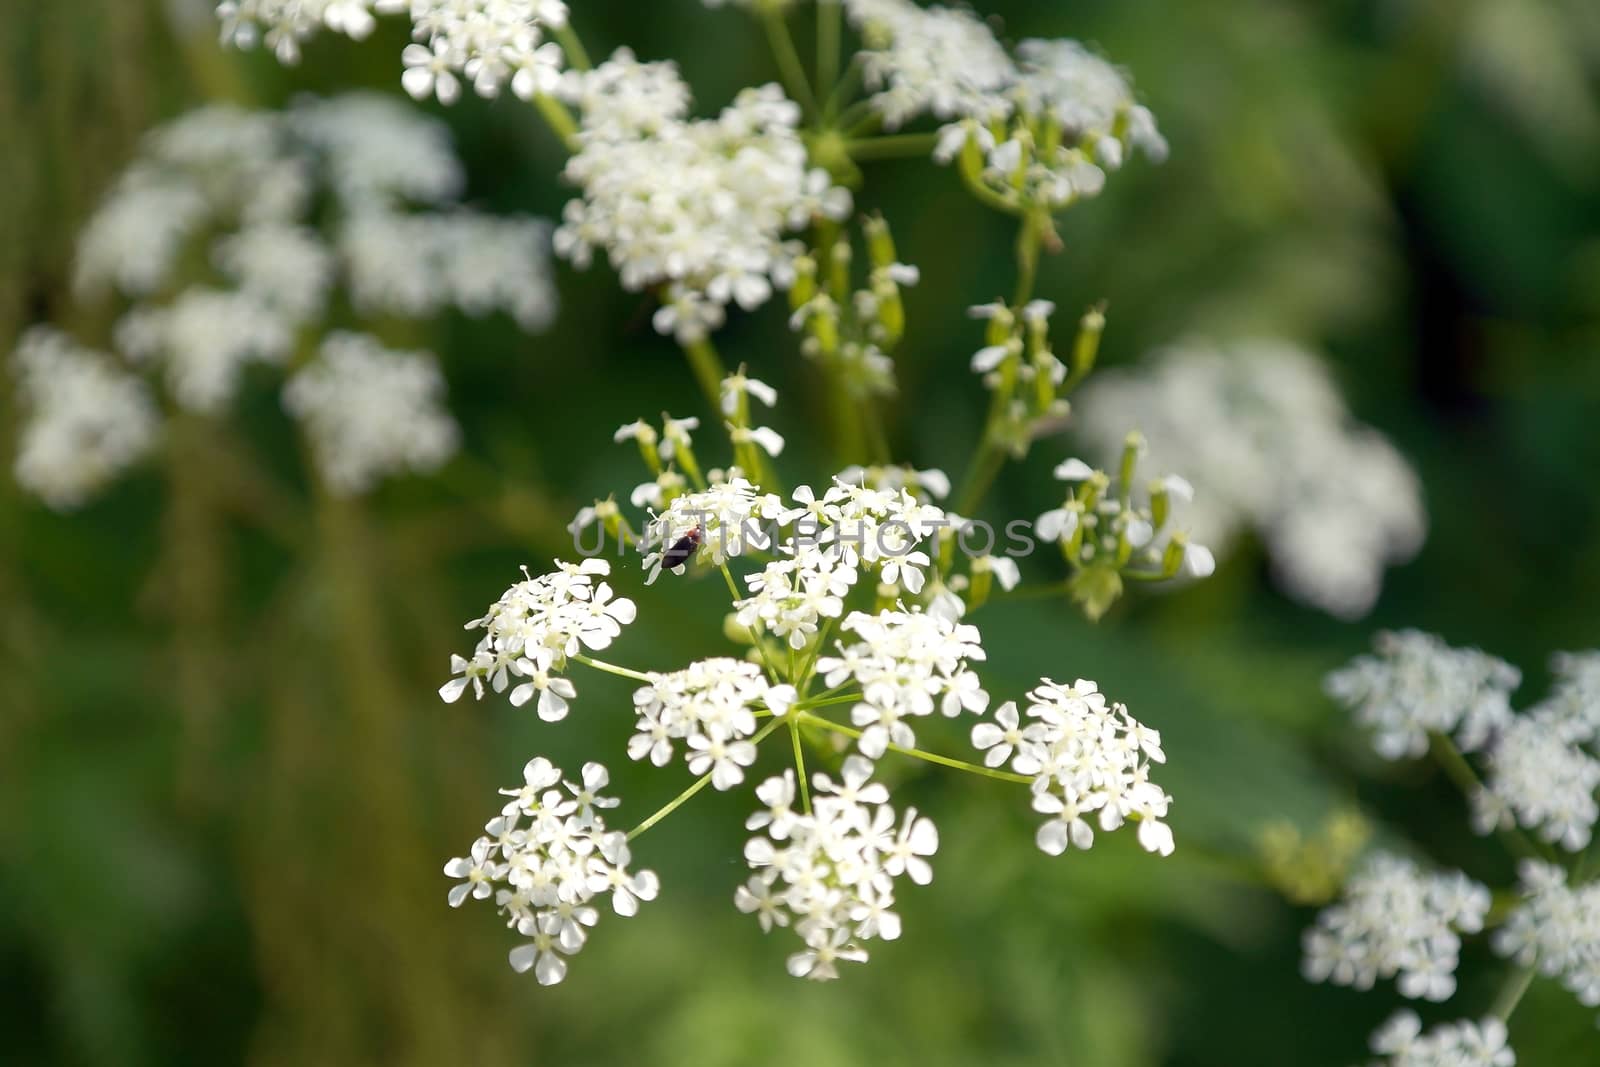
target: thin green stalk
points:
(559, 119)
(708, 370)
(828, 19)
(761, 646)
(577, 57)
(1030, 239)
(612, 668)
(917, 753)
(827, 702)
(848, 83)
(1510, 995)
(1456, 767)
(800, 765)
(789, 65)
(699, 783)
(892, 146)
(980, 475)
(816, 651)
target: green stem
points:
(1510, 995)
(847, 84)
(1456, 767)
(828, 18)
(800, 765)
(708, 370)
(1029, 240)
(612, 668)
(917, 753)
(568, 39)
(559, 119)
(828, 702)
(892, 146)
(699, 783)
(980, 475)
(789, 65)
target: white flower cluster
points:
(698, 207)
(729, 517)
(1540, 774)
(489, 43)
(909, 664)
(1556, 927)
(284, 25)
(1396, 919)
(241, 192)
(791, 596)
(371, 412)
(85, 420)
(1047, 124)
(1458, 1044)
(1414, 685)
(710, 706)
(534, 628)
(1087, 759)
(830, 873)
(1094, 525)
(1265, 437)
(546, 858)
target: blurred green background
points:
(227, 786)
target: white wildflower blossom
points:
(204, 339)
(548, 859)
(1396, 920)
(1089, 761)
(909, 664)
(711, 706)
(1459, 1044)
(702, 206)
(84, 420)
(1540, 781)
(830, 874)
(1261, 430)
(371, 412)
(483, 43)
(1414, 685)
(1555, 928)
(937, 60)
(1095, 525)
(728, 517)
(790, 597)
(534, 628)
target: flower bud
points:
(880, 244)
(1087, 346)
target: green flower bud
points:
(880, 245)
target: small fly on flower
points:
(679, 553)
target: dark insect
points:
(685, 547)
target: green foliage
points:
(226, 785)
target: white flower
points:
(830, 874)
(790, 596)
(1395, 920)
(711, 705)
(1556, 928)
(1262, 431)
(534, 628)
(732, 516)
(1088, 760)
(701, 206)
(546, 858)
(908, 664)
(371, 412)
(1414, 684)
(1458, 1044)
(83, 420)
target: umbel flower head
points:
(699, 208)
(850, 606)
(546, 859)
(247, 195)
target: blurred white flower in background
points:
(85, 420)
(703, 205)
(1458, 1044)
(229, 237)
(371, 412)
(1262, 432)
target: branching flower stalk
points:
(1540, 772)
(846, 600)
